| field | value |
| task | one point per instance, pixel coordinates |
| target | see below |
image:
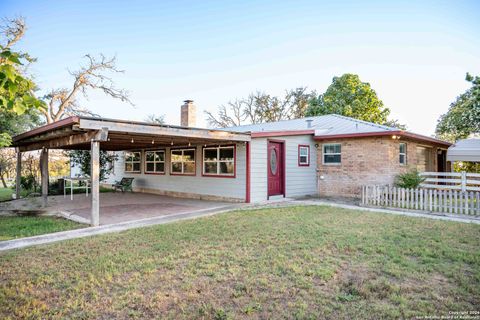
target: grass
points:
(5, 194)
(27, 226)
(302, 263)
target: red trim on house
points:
(261, 134)
(247, 178)
(234, 162)
(304, 164)
(145, 162)
(183, 174)
(51, 126)
(384, 133)
(284, 178)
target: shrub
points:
(409, 180)
(28, 182)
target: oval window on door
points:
(273, 161)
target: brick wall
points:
(372, 160)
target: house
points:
(329, 155)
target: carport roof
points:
(77, 133)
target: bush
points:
(409, 180)
(28, 182)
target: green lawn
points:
(303, 262)
(27, 226)
(5, 194)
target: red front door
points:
(275, 168)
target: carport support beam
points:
(18, 175)
(95, 182)
(44, 175)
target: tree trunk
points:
(3, 181)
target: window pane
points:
(332, 158)
(226, 154)
(188, 167)
(188, 155)
(210, 167)
(160, 156)
(150, 166)
(402, 159)
(176, 155)
(226, 167)
(303, 151)
(136, 156)
(160, 167)
(177, 167)
(128, 167)
(149, 156)
(303, 159)
(402, 147)
(136, 166)
(210, 154)
(332, 148)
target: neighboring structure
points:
(328, 155)
(464, 150)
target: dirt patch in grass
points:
(298, 262)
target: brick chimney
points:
(188, 116)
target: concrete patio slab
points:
(115, 207)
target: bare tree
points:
(12, 29)
(153, 118)
(260, 107)
(63, 102)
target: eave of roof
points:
(400, 133)
(48, 127)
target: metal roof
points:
(464, 150)
(331, 124)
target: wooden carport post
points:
(95, 185)
(18, 175)
(44, 175)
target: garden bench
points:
(124, 185)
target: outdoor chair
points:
(124, 185)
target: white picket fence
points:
(428, 200)
(462, 181)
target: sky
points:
(415, 54)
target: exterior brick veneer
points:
(371, 160)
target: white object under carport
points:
(464, 150)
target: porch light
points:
(171, 143)
(132, 141)
(189, 144)
(153, 141)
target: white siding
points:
(300, 181)
(198, 184)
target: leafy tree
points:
(349, 96)
(463, 117)
(82, 159)
(16, 88)
(260, 107)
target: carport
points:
(95, 134)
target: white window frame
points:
(331, 154)
(133, 162)
(402, 153)
(154, 162)
(218, 161)
(300, 163)
(183, 162)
